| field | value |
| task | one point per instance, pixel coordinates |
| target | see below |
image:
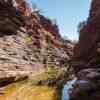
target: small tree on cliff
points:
(35, 8)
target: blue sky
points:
(68, 14)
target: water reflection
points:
(67, 88)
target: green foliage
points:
(28, 40)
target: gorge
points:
(36, 62)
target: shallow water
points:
(67, 89)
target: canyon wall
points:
(30, 43)
(87, 57)
(89, 34)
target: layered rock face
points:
(87, 57)
(36, 45)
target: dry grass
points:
(26, 90)
(20, 91)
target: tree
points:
(35, 8)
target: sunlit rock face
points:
(27, 49)
(87, 57)
(35, 46)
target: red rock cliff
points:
(39, 44)
(89, 34)
(87, 57)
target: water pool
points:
(67, 88)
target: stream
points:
(67, 89)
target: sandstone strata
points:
(30, 43)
